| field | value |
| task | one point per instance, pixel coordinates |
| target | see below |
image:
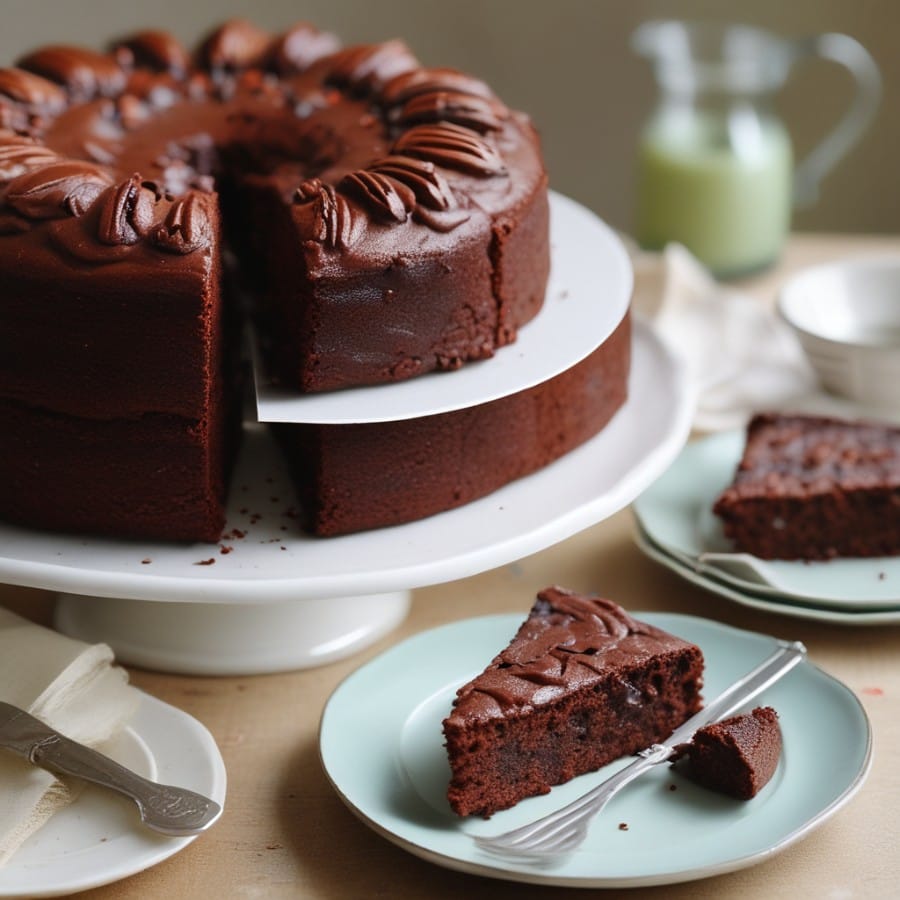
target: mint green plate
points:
(785, 606)
(676, 513)
(381, 746)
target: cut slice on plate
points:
(581, 684)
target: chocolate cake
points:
(737, 756)
(810, 487)
(395, 216)
(581, 684)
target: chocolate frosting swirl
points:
(237, 44)
(452, 146)
(385, 197)
(21, 154)
(299, 47)
(426, 81)
(186, 227)
(84, 73)
(426, 182)
(367, 68)
(335, 223)
(36, 93)
(158, 51)
(64, 188)
(433, 95)
(126, 212)
(450, 106)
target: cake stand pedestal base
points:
(232, 638)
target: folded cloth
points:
(739, 355)
(71, 686)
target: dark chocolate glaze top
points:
(568, 641)
(361, 140)
(798, 456)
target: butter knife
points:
(564, 830)
(169, 810)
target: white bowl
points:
(847, 318)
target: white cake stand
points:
(269, 598)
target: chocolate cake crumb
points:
(206, 562)
(146, 561)
(737, 756)
(623, 826)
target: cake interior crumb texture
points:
(810, 487)
(737, 756)
(581, 684)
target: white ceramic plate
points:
(99, 838)
(675, 513)
(396, 784)
(274, 561)
(587, 296)
(783, 606)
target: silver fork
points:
(564, 830)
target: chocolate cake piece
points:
(737, 756)
(581, 684)
(811, 487)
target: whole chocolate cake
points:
(813, 487)
(581, 684)
(395, 216)
(737, 756)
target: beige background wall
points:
(568, 63)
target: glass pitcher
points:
(715, 166)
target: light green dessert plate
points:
(785, 606)
(382, 749)
(676, 514)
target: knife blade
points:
(167, 809)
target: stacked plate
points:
(676, 527)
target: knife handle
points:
(170, 810)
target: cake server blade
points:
(169, 810)
(562, 831)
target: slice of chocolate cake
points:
(737, 756)
(809, 487)
(581, 684)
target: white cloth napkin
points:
(74, 688)
(740, 356)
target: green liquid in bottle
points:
(720, 186)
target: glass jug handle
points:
(848, 52)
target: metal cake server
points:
(169, 810)
(564, 830)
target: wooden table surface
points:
(285, 833)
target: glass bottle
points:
(715, 164)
